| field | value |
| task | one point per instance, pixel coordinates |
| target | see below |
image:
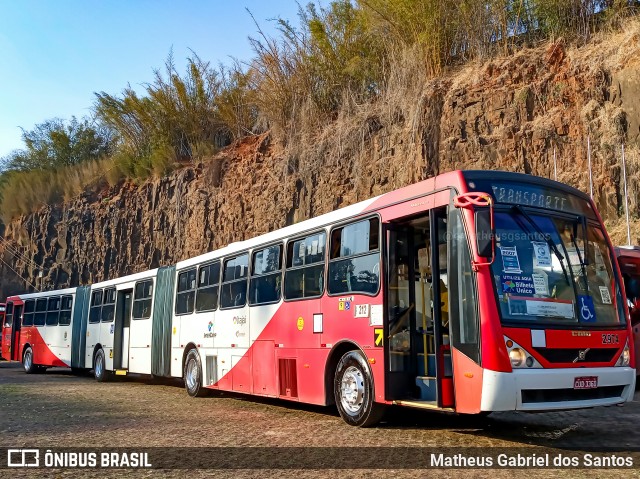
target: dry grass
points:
(30, 190)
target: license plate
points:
(585, 382)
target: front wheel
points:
(192, 375)
(100, 367)
(353, 389)
(27, 361)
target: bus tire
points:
(192, 375)
(353, 390)
(27, 361)
(100, 367)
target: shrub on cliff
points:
(177, 119)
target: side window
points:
(185, 295)
(207, 293)
(29, 309)
(108, 305)
(66, 304)
(96, 306)
(354, 265)
(53, 310)
(142, 299)
(266, 276)
(304, 276)
(40, 317)
(234, 282)
(8, 315)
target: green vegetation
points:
(59, 160)
(337, 59)
(179, 119)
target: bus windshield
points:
(553, 270)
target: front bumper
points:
(552, 389)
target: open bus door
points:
(12, 325)
(417, 354)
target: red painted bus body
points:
(629, 261)
(468, 292)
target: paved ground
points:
(58, 409)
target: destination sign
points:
(533, 195)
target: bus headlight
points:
(625, 357)
(517, 357)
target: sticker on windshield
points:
(517, 284)
(604, 293)
(586, 309)
(541, 255)
(540, 284)
(555, 308)
(510, 261)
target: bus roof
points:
(47, 293)
(151, 273)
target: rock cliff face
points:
(511, 114)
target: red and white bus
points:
(470, 292)
(38, 325)
(629, 262)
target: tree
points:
(55, 143)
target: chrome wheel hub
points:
(191, 375)
(99, 365)
(27, 360)
(352, 390)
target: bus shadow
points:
(599, 428)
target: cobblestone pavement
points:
(59, 409)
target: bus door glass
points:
(121, 329)
(400, 312)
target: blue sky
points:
(55, 54)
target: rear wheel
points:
(27, 361)
(192, 375)
(353, 389)
(100, 367)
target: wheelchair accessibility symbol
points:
(587, 309)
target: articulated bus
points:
(629, 262)
(470, 292)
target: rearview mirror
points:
(482, 206)
(484, 233)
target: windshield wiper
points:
(546, 238)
